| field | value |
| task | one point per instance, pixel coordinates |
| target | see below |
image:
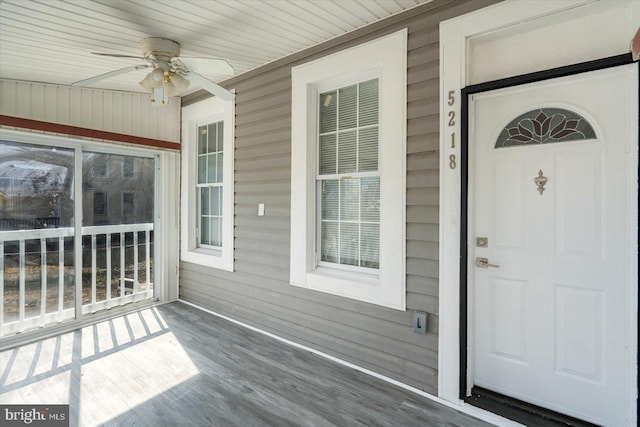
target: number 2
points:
(452, 115)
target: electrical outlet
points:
(419, 322)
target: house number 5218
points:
(452, 122)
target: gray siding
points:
(258, 292)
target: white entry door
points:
(553, 213)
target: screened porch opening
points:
(54, 268)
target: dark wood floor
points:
(175, 365)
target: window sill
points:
(362, 287)
(328, 273)
(208, 258)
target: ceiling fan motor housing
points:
(159, 50)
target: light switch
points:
(260, 209)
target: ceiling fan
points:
(171, 73)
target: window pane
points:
(211, 134)
(347, 152)
(128, 203)
(211, 167)
(349, 244)
(128, 167)
(368, 150)
(216, 201)
(99, 203)
(220, 136)
(328, 160)
(202, 169)
(99, 165)
(329, 251)
(205, 204)
(370, 208)
(216, 232)
(219, 167)
(202, 140)
(205, 230)
(328, 111)
(36, 186)
(330, 199)
(347, 108)
(368, 103)
(349, 199)
(370, 246)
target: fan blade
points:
(118, 55)
(207, 65)
(94, 79)
(209, 86)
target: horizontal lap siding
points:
(258, 292)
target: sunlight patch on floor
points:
(104, 369)
(117, 383)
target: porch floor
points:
(176, 365)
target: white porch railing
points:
(130, 289)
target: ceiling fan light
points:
(170, 89)
(180, 82)
(153, 80)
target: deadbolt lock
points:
(482, 242)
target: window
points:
(99, 203)
(99, 167)
(210, 168)
(128, 204)
(207, 183)
(544, 126)
(128, 167)
(348, 183)
(348, 173)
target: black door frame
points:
(583, 67)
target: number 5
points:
(451, 100)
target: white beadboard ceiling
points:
(51, 41)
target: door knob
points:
(484, 263)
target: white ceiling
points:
(51, 40)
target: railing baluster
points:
(43, 280)
(135, 262)
(25, 320)
(148, 263)
(60, 274)
(108, 249)
(122, 264)
(93, 269)
(21, 297)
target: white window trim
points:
(388, 55)
(207, 111)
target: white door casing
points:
(551, 324)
